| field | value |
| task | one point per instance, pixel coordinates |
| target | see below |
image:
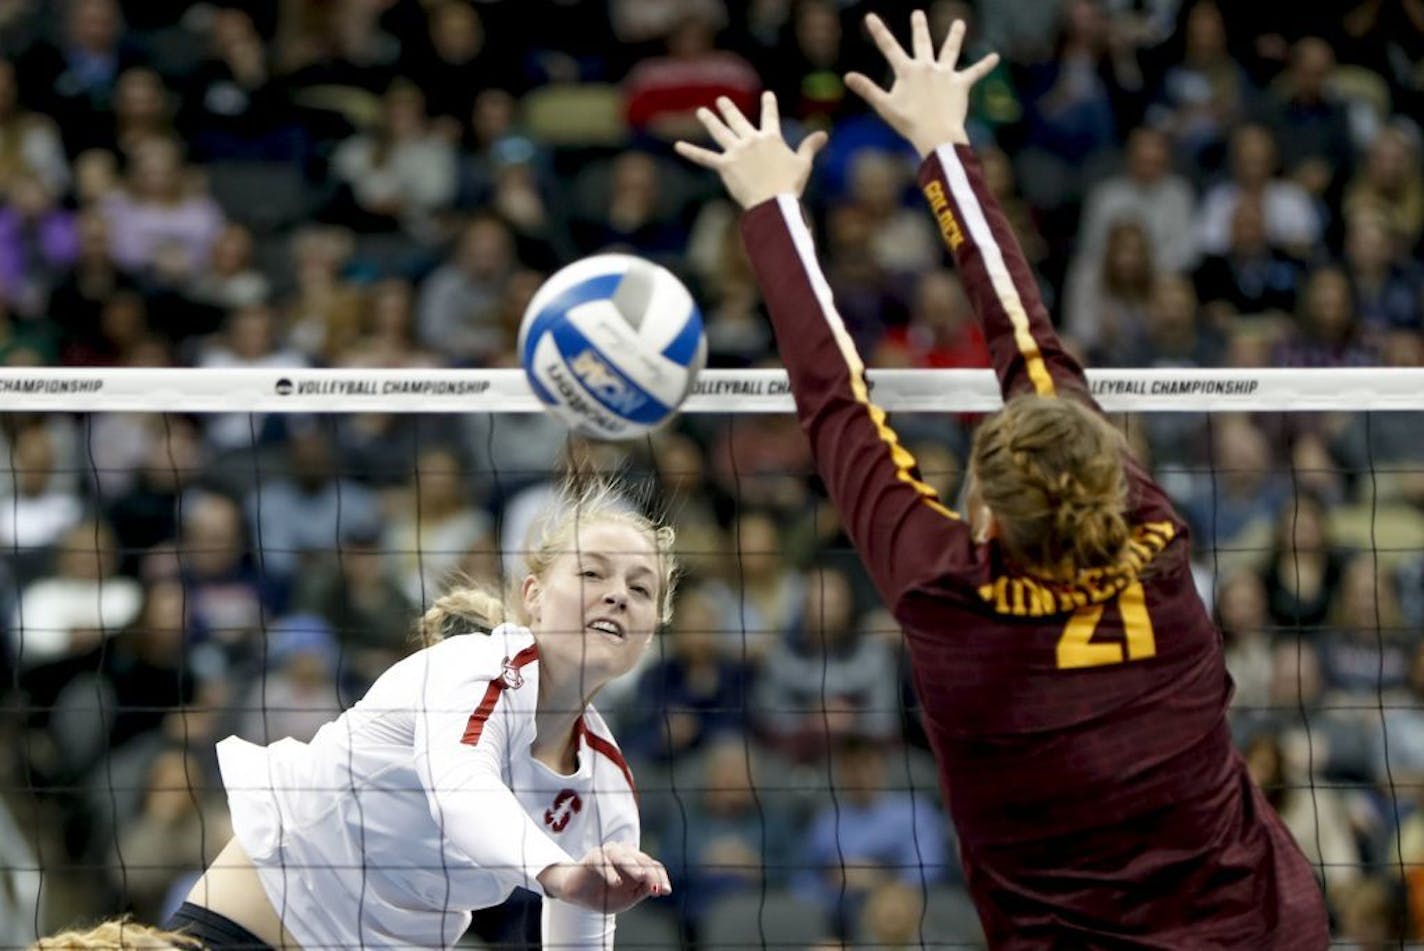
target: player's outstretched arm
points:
(903, 533)
(927, 103)
(611, 878)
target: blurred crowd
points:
(384, 183)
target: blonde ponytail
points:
(461, 611)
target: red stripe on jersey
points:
(476, 725)
(599, 745)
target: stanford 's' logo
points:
(566, 805)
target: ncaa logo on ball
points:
(602, 382)
(599, 421)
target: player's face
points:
(597, 607)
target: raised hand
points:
(755, 164)
(929, 99)
(610, 878)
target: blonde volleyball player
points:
(471, 767)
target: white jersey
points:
(422, 803)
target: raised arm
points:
(901, 529)
(927, 104)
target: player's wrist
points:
(554, 880)
(932, 139)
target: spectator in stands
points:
(902, 241)
(1311, 128)
(458, 300)
(226, 596)
(324, 309)
(1315, 813)
(26, 342)
(357, 593)
(1150, 193)
(638, 211)
(868, 835)
(824, 679)
(999, 176)
(1388, 286)
(1250, 276)
(893, 915)
(1372, 914)
(738, 334)
(458, 62)
(38, 511)
(804, 69)
(388, 337)
(29, 141)
(1240, 497)
(1391, 182)
(942, 332)
(230, 280)
(298, 516)
(1326, 333)
(83, 603)
(761, 592)
(1175, 335)
(236, 106)
(1292, 218)
(78, 298)
(73, 79)
(1246, 628)
(1105, 311)
(161, 211)
(1399, 750)
(39, 242)
(146, 665)
(249, 338)
(734, 833)
(143, 110)
(399, 175)
(297, 692)
(697, 693)
(146, 515)
(1302, 573)
(661, 93)
(339, 47)
(436, 524)
(1319, 739)
(1387, 445)
(1367, 650)
(1075, 103)
(182, 826)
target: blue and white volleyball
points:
(612, 344)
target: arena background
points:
(288, 184)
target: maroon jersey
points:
(1081, 730)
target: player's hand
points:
(930, 97)
(755, 164)
(611, 878)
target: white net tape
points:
(717, 391)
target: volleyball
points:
(612, 344)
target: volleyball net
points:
(192, 554)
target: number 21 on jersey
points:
(1077, 649)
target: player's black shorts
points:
(216, 932)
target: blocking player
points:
(469, 768)
(1073, 686)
